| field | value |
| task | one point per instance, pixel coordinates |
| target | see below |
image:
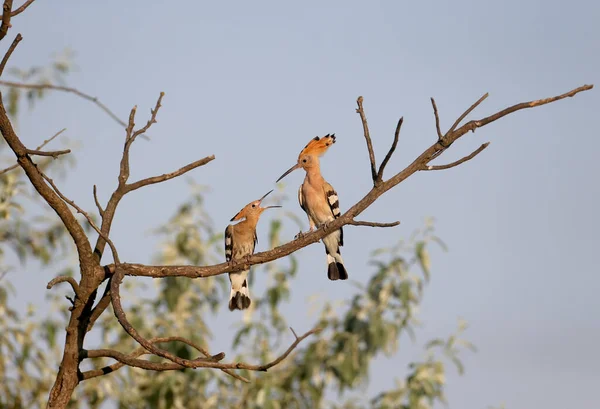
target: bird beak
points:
(266, 194)
(271, 207)
(290, 170)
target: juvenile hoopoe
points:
(240, 240)
(320, 202)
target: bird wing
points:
(228, 242)
(334, 205)
(300, 200)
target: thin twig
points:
(167, 176)
(437, 119)
(363, 118)
(391, 151)
(6, 14)
(47, 141)
(54, 154)
(372, 224)
(64, 279)
(12, 47)
(100, 210)
(87, 216)
(468, 111)
(22, 8)
(72, 90)
(458, 162)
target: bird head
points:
(252, 210)
(309, 156)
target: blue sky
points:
(253, 82)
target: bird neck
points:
(250, 221)
(313, 174)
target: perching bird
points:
(320, 202)
(240, 240)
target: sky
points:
(252, 82)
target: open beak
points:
(267, 207)
(266, 194)
(290, 170)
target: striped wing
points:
(228, 242)
(334, 205)
(300, 200)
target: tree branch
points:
(138, 363)
(71, 90)
(100, 210)
(468, 111)
(196, 363)
(167, 176)
(12, 47)
(87, 216)
(100, 307)
(372, 224)
(54, 154)
(35, 177)
(16, 165)
(22, 8)
(363, 118)
(64, 279)
(312, 237)
(391, 151)
(437, 119)
(458, 162)
(6, 14)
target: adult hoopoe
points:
(240, 240)
(320, 202)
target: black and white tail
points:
(335, 263)
(239, 297)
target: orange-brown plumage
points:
(318, 146)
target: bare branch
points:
(71, 90)
(16, 165)
(131, 361)
(12, 47)
(87, 216)
(22, 8)
(391, 151)
(467, 112)
(54, 154)
(196, 363)
(6, 14)
(312, 237)
(458, 162)
(167, 176)
(372, 224)
(437, 119)
(100, 307)
(363, 118)
(35, 177)
(64, 279)
(100, 210)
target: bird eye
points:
(304, 160)
(253, 205)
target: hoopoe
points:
(320, 202)
(240, 241)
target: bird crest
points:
(318, 146)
